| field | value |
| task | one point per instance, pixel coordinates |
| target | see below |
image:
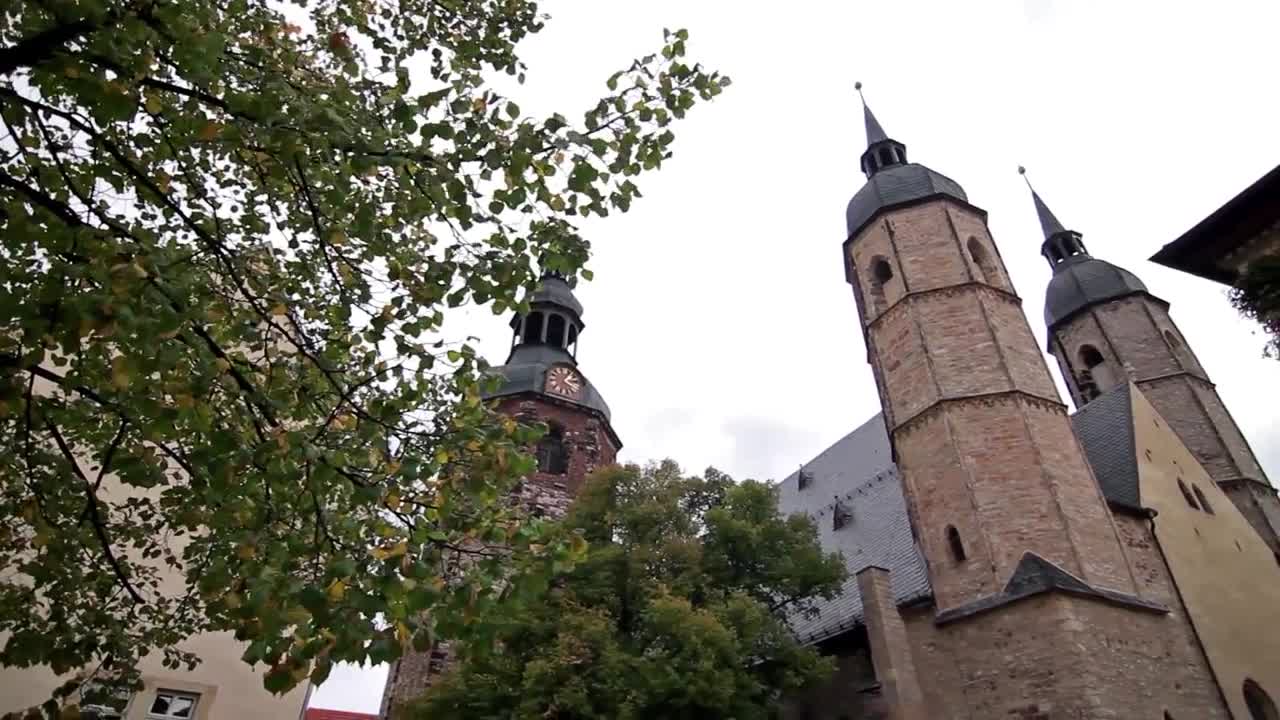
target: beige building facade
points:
(221, 687)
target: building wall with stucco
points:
(1226, 575)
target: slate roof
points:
(1105, 428)
(894, 186)
(1083, 280)
(554, 290)
(1048, 221)
(859, 470)
(526, 371)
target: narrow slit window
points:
(1186, 495)
(955, 544)
(1204, 501)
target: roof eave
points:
(1224, 230)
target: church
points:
(1008, 558)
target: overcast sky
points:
(719, 326)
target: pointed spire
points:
(882, 151)
(1048, 222)
(875, 133)
(1060, 244)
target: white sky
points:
(719, 325)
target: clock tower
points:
(540, 382)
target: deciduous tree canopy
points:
(1257, 297)
(676, 612)
(231, 232)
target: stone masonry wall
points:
(1061, 657)
(1140, 342)
(979, 431)
(589, 446)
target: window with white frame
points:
(170, 705)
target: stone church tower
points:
(1105, 328)
(1036, 604)
(541, 382)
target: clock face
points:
(564, 381)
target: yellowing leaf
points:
(153, 104)
(245, 551)
(121, 372)
(280, 310)
(210, 131)
(222, 365)
(384, 553)
(393, 500)
(402, 634)
(337, 590)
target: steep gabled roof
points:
(859, 471)
(1105, 428)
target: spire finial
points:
(875, 133)
(1048, 222)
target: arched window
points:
(1186, 494)
(1094, 376)
(881, 274)
(1260, 704)
(1179, 350)
(555, 330)
(886, 157)
(1202, 500)
(552, 456)
(982, 259)
(955, 544)
(533, 328)
(1167, 716)
(571, 343)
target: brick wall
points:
(1058, 656)
(978, 428)
(1140, 342)
(589, 445)
(984, 444)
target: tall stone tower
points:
(1106, 328)
(540, 382)
(1036, 607)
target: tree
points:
(678, 610)
(1256, 295)
(231, 232)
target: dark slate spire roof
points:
(1048, 223)
(536, 349)
(875, 133)
(555, 290)
(1079, 279)
(891, 180)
